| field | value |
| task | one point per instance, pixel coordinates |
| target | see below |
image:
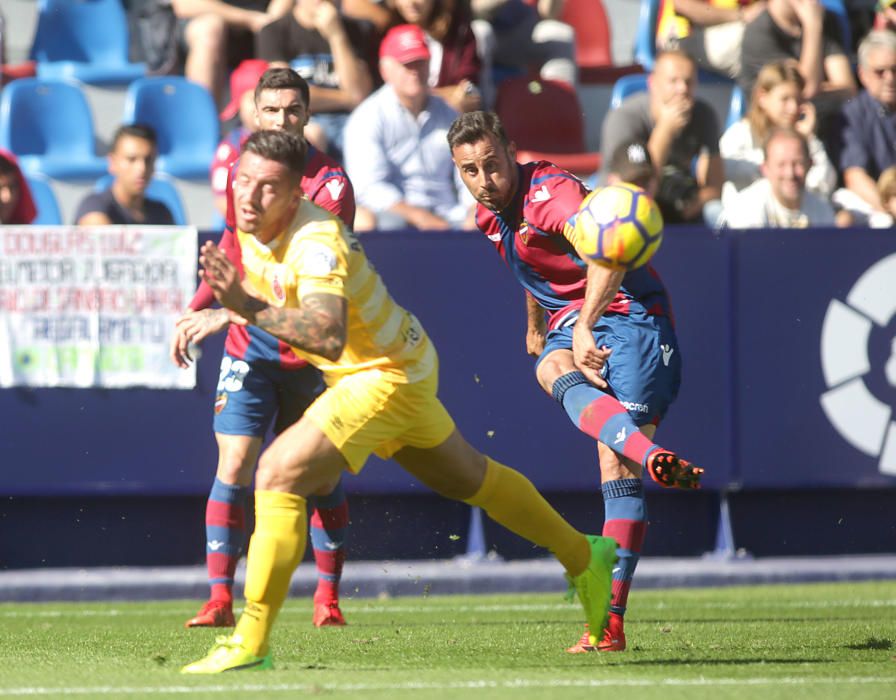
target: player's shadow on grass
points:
(872, 644)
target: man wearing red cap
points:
(395, 149)
(242, 103)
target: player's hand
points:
(192, 328)
(222, 277)
(535, 341)
(588, 358)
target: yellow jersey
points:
(318, 254)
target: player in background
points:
(313, 287)
(610, 356)
(261, 377)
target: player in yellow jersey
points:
(308, 282)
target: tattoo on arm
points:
(318, 326)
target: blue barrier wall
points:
(750, 309)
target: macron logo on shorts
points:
(667, 353)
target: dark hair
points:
(138, 131)
(280, 147)
(7, 167)
(475, 126)
(631, 162)
(785, 132)
(283, 79)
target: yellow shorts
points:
(369, 412)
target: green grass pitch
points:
(815, 641)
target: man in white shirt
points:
(396, 152)
(780, 199)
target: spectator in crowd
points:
(802, 30)
(215, 34)
(780, 199)
(16, 203)
(711, 31)
(886, 190)
(328, 51)
(523, 35)
(631, 163)
(677, 128)
(885, 18)
(777, 102)
(373, 14)
(455, 70)
(395, 149)
(868, 128)
(131, 163)
(242, 104)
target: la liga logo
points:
(858, 360)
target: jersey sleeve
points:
(219, 173)
(336, 194)
(554, 199)
(204, 296)
(321, 260)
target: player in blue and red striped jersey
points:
(260, 379)
(610, 356)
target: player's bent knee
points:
(554, 365)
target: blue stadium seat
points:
(626, 86)
(48, 125)
(736, 107)
(48, 213)
(184, 117)
(645, 33)
(162, 189)
(86, 40)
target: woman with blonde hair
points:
(777, 102)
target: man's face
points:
(9, 196)
(265, 194)
(407, 79)
(879, 76)
(785, 168)
(488, 170)
(281, 110)
(674, 78)
(132, 163)
(413, 11)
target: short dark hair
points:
(283, 79)
(139, 131)
(475, 126)
(279, 146)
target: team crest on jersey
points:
(220, 403)
(277, 284)
(524, 232)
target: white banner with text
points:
(94, 307)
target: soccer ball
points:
(618, 226)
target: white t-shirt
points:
(756, 207)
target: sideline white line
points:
(360, 608)
(459, 685)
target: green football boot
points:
(594, 585)
(229, 654)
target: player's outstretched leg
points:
(329, 523)
(510, 499)
(275, 550)
(625, 520)
(225, 531)
(601, 416)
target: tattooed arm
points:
(317, 326)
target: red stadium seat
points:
(594, 55)
(545, 120)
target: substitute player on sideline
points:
(314, 289)
(262, 378)
(610, 357)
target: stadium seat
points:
(736, 107)
(48, 213)
(626, 86)
(48, 125)
(589, 19)
(86, 40)
(545, 120)
(160, 188)
(184, 117)
(645, 33)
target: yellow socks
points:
(510, 499)
(276, 548)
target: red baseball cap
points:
(405, 43)
(244, 77)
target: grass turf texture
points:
(813, 641)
